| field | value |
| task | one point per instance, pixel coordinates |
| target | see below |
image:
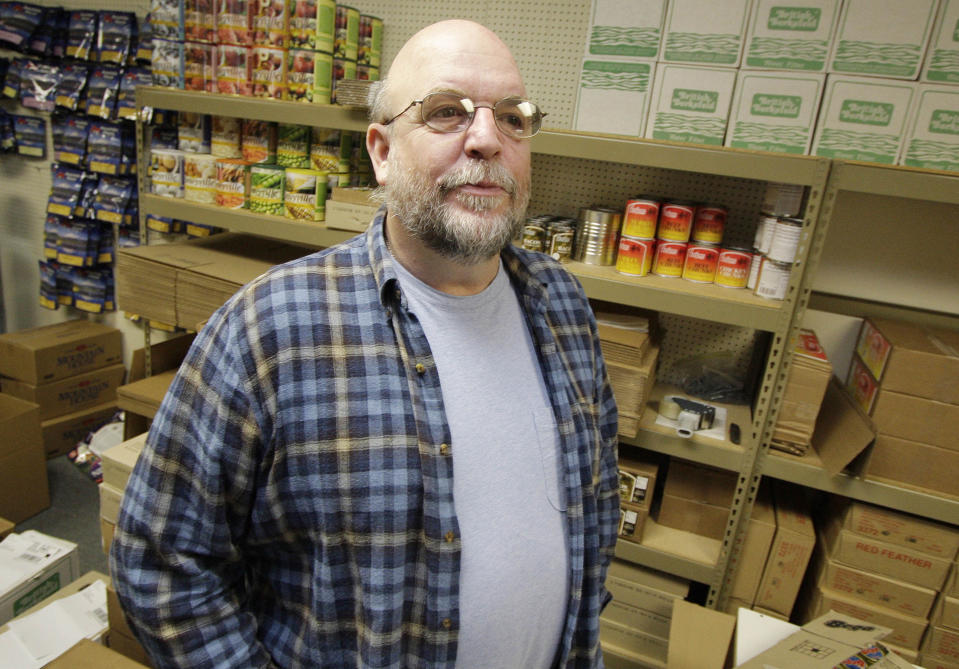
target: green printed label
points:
(805, 19)
(40, 592)
(694, 100)
(955, 33)
(944, 121)
(782, 106)
(867, 113)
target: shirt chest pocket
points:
(553, 466)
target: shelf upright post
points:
(143, 118)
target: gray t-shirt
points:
(507, 484)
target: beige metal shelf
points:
(722, 161)
(242, 220)
(897, 181)
(265, 109)
(676, 552)
(809, 472)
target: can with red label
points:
(708, 223)
(642, 214)
(635, 256)
(732, 267)
(669, 258)
(676, 221)
(700, 263)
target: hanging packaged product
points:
(167, 63)
(142, 49)
(48, 286)
(66, 183)
(198, 23)
(18, 21)
(166, 19)
(88, 192)
(11, 83)
(234, 70)
(271, 23)
(44, 35)
(102, 91)
(225, 137)
(293, 145)
(82, 35)
(77, 242)
(70, 138)
(266, 189)
(304, 194)
(300, 74)
(232, 183)
(199, 66)
(234, 22)
(114, 36)
(258, 144)
(38, 85)
(126, 97)
(111, 148)
(92, 289)
(112, 198)
(73, 79)
(166, 172)
(268, 72)
(194, 132)
(31, 135)
(199, 177)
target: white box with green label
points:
(863, 118)
(883, 38)
(33, 566)
(791, 35)
(775, 111)
(613, 96)
(690, 104)
(932, 135)
(942, 59)
(626, 28)
(705, 32)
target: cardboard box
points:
(110, 499)
(632, 640)
(24, 488)
(863, 119)
(942, 57)
(906, 631)
(708, 32)
(951, 587)
(790, 552)
(34, 566)
(61, 434)
(143, 397)
(637, 480)
(50, 352)
(118, 462)
(884, 591)
(913, 465)
(794, 36)
(883, 557)
(107, 529)
(932, 135)
(71, 394)
(942, 642)
(843, 430)
(901, 529)
(699, 638)
(916, 419)
(613, 95)
(91, 654)
(690, 104)
(628, 30)
(632, 520)
(861, 385)
(637, 619)
(349, 215)
(6, 527)
(883, 38)
(911, 359)
(760, 531)
(129, 648)
(775, 111)
(700, 483)
(806, 383)
(644, 588)
(946, 612)
(688, 515)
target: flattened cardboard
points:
(843, 431)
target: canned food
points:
(596, 235)
(784, 240)
(675, 221)
(764, 233)
(560, 244)
(534, 237)
(773, 280)
(635, 256)
(708, 224)
(669, 258)
(754, 264)
(700, 263)
(642, 214)
(782, 199)
(732, 267)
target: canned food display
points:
(669, 258)
(675, 221)
(709, 223)
(597, 233)
(700, 263)
(635, 256)
(732, 267)
(641, 217)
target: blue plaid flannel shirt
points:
(291, 504)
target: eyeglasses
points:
(449, 112)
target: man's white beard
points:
(467, 233)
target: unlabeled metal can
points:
(642, 214)
(782, 199)
(773, 280)
(597, 233)
(669, 258)
(732, 267)
(785, 240)
(708, 223)
(700, 262)
(635, 256)
(675, 221)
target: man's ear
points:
(378, 146)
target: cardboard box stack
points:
(881, 566)
(24, 488)
(696, 498)
(635, 624)
(71, 370)
(637, 483)
(906, 377)
(631, 356)
(117, 464)
(806, 384)
(940, 650)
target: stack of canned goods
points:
(777, 241)
(553, 235)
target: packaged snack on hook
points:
(48, 285)
(73, 79)
(66, 184)
(18, 21)
(126, 96)
(38, 85)
(112, 198)
(114, 36)
(142, 50)
(82, 35)
(43, 38)
(11, 82)
(102, 91)
(31, 134)
(105, 148)
(70, 138)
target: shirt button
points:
(450, 537)
(420, 368)
(444, 449)
(447, 623)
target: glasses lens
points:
(518, 117)
(446, 112)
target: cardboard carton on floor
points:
(33, 566)
(118, 461)
(613, 95)
(774, 111)
(932, 136)
(912, 464)
(794, 36)
(626, 28)
(942, 58)
(706, 32)
(912, 359)
(70, 394)
(61, 434)
(50, 352)
(690, 104)
(900, 528)
(883, 38)
(863, 118)
(24, 487)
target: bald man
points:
(400, 451)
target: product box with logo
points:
(71, 394)
(637, 479)
(33, 566)
(24, 489)
(613, 95)
(863, 119)
(791, 35)
(775, 111)
(61, 434)
(883, 38)
(705, 32)
(626, 29)
(809, 375)
(932, 136)
(690, 104)
(50, 352)
(899, 528)
(941, 643)
(906, 631)
(942, 58)
(912, 464)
